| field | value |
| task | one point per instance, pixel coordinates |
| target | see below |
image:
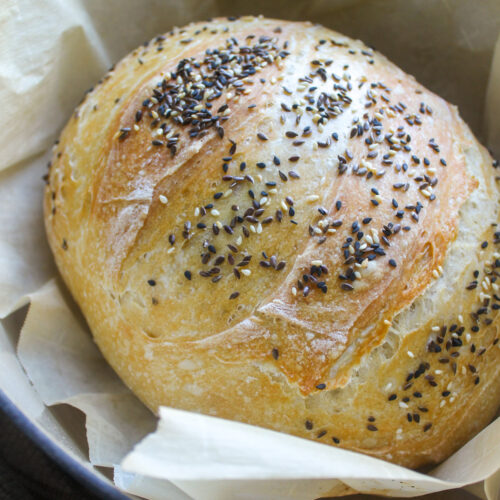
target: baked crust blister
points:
(270, 222)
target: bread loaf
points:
(270, 222)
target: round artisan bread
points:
(269, 222)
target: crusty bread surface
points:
(270, 222)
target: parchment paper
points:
(50, 52)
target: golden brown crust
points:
(319, 158)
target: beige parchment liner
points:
(51, 51)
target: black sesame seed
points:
(124, 133)
(151, 282)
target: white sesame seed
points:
(460, 318)
(388, 387)
(410, 354)
(171, 250)
(136, 127)
(294, 291)
(259, 228)
(443, 402)
(246, 272)
(239, 239)
(403, 405)
(252, 228)
(468, 337)
(464, 370)
(228, 193)
(312, 198)
(438, 372)
(357, 274)
(435, 273)
(435, 328)
(219, 224)
(387, 322)
(215, 212)
(197, 211)
(317, 263)
(331, 231)
(163, 199)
